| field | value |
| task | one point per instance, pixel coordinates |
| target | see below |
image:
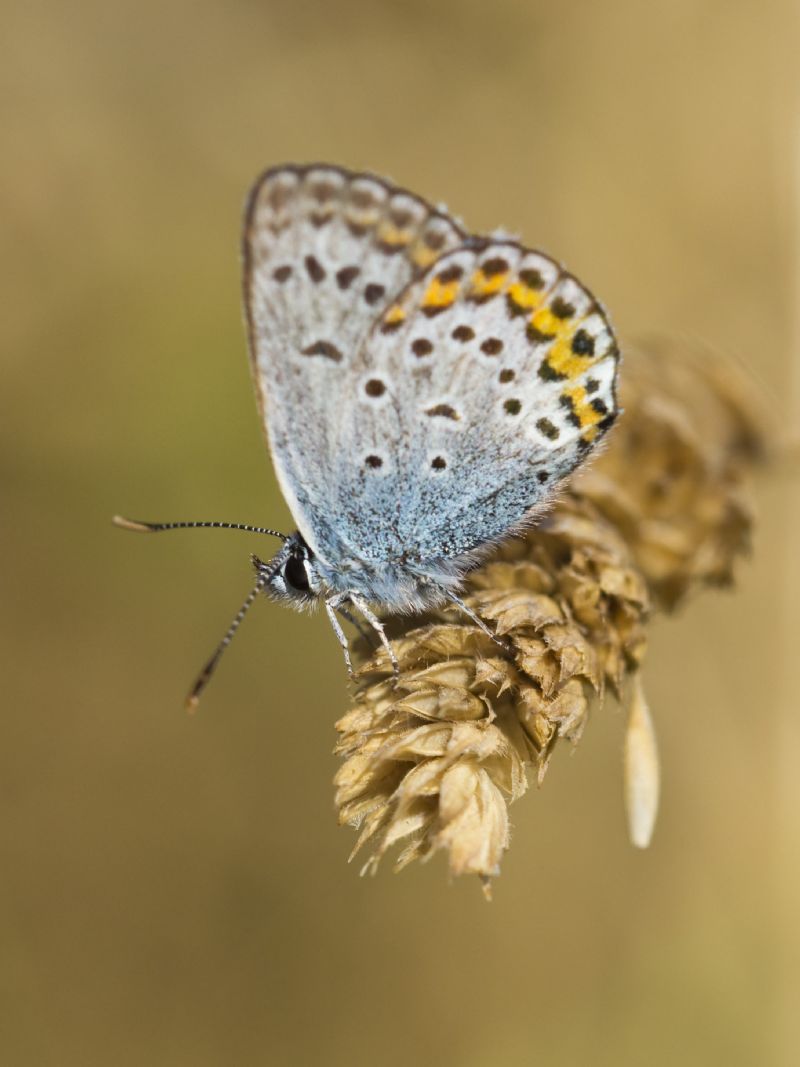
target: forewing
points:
(325, 251)
(482, 386)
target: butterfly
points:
(424, 392)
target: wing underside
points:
(423, 390)
(325, 250)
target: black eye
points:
(295, 574)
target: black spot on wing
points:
(562, 309)
(569, 405)
(548, 374)
(496, 265)
(443, 411)
(547, 429)
(583, 344)
(316, 271)
(532, 278)
(374, 292)
(346, 276)
(324, 348)
(450, 274)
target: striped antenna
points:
(157, 527)
(204, 677)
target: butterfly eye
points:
(295, 574)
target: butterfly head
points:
(292, 575)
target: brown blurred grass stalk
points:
(433, 760)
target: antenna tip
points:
(131, 524)
(191, 704)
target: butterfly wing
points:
(325, 250)
(483, 385)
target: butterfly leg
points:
(331, 607)
(376, 625)
(451, 596)
(350, 617)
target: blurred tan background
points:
(174, 891)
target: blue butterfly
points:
(424, 392)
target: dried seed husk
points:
(432, 759)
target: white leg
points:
(475, 618)
(354, 622)
(376, 625)
(330, 607)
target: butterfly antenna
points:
(204, 677)
(157, 527)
